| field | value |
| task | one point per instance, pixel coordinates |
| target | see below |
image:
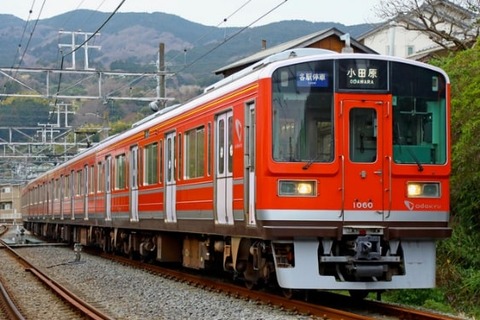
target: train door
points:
(224, 168)
(363, 165)
(134, 183)
(85, 190)
(249, 150)
(108, 189)
(170, 182)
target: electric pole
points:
(73, 46)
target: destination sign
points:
(362, 74)
(312, 79)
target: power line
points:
(31, 34)
(21, 40)
(98, 29)
(231, 37)
(23, 34)
(224, 20)
(83, 43)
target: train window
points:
(79, 183)
(194, 153)
(61, 187)
(302, 113)
(160, 171)
(220, 144)
(67, 186)
(209, 149)
(86, 180)
(150, 166)
(71, 184)
(419, 115)
(363, 135)
(91, 180)
(56, 188)
(107, 173)
(180, 156)
(100, 177)
(170, 158)
(120, 172)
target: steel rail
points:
(75, 301)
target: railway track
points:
(73, 307)
(7, 306)
(319, 305)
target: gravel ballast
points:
(128, 293)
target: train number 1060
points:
(363, 205)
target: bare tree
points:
(454, 25)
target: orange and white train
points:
(311, 169)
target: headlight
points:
(423, 189)
(297, 188)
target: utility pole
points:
(161, 100)
(73, 46)
(161, 68)
(65, 111)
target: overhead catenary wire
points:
(68, 17)
(96, 31)
(82, 44)
(19, 47)
(231, 37)
(224, 20)
(31, 34)
(78, 7)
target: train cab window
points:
(363, 135)
(150, 165)
(302, 113)
(120, 172)
(419, 115)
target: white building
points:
(10, 207)
(407, 37)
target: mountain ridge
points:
(133, 38)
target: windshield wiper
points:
(310, 162)
(414, 157)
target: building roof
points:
(302, 42)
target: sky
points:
(239, 13)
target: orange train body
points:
(314, 169)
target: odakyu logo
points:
(238, 129)
(410, 205)
(421, 206)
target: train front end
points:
(354, 171)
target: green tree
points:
(459, 258)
